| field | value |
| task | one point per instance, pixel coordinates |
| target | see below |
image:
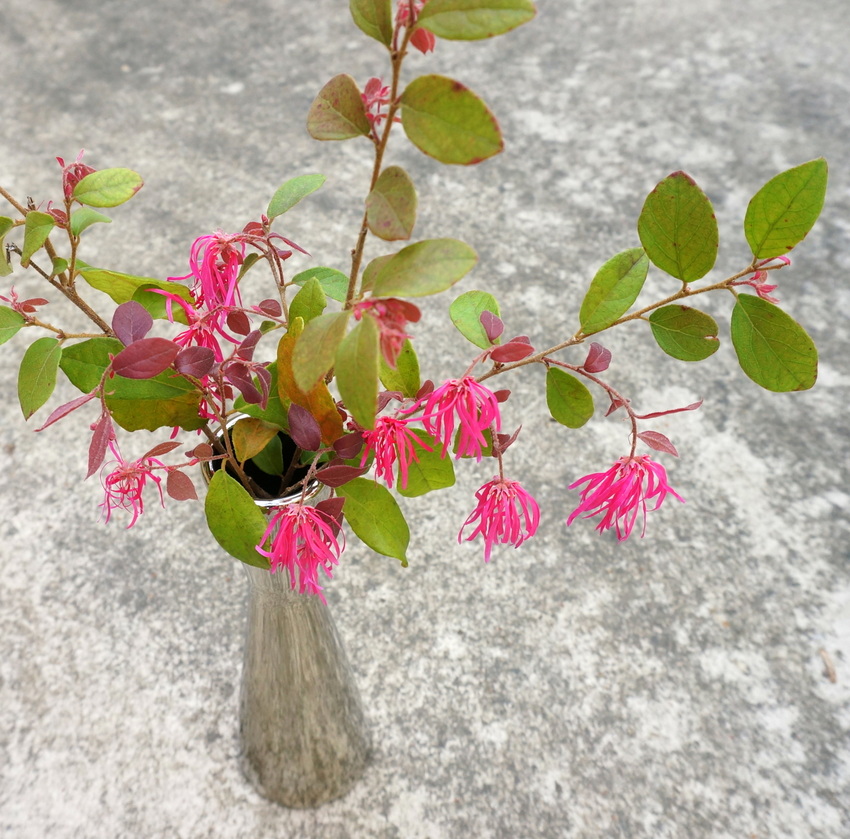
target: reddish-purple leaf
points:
(337, 475)
(271, 308)
(504, 440)
(387, 396)
(265, 379)
(304, 429)
(332, 507)
(512, 351)
(202, 451)
(349, 445)
(502, 395)
(615, 404)
(240, 377)
(131, 322)
(103, 433)
(598, 359)
(238, 321)
(195, 361)
(426, 388)
(692, 407)
(146, 358)
(246, 348)
(161, 448)
(179, 486)
(64, 410)
(493, 326)
(659, 442)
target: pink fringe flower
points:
(390, 441)
(620, 494)
(506, 514)
(124, 485)
(392, 316)
(303, 539)
(73, 173)
(473, 405)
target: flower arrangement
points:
(318, 382)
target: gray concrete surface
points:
(665, 688)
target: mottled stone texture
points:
(666, 688)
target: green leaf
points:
(432, 471)
(309, 303)
(156, 305)
(37, 376)
(85, 217)
(235, 521)
(375, 517)
(471, 20)
(270, 459)
(424, 268)
(773, 349)
(391, 205)
(375, 18)
(612, 291)
(357, 371)
(371, 271)
(447, 121)
(569, 401)
(785, 209)
(36, 230)
(250, 436)
(684, 333)
(288, 195)
(333, 282)
(108, 187)
(338, 113)
(84, 363)
(6, 224)
(59, 266)
(315, 349)
(10, 322)
(405, 377)
(465, 313)
(678, 229)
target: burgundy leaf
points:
(265, 379)
(246, 348)
(180, 487)
(332, 507)
(162, 448)
(512, 351)
(598, 359)
(659, 442)
(254, 228)
(271, 308)
(349, 445)
(304, 429)
(692, 407)
(426, 388)
(195, 361)
(506, 441)
(202, 451)
(29, 305)
(64, 410)
(336, 476)
(615, 404)
(131, 322)
(502, 395)
(103, 433)
(238, 321)
(522, 339)
(239, 376)
(387, 396)
(493, 326)
(146, 358)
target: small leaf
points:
(684, 333)
(357, 372)
(288, 195)
(374, 17)
(784, 210)
(6, 224)
(511, 351)
(391, 205)
(659, 442)
(315, 349)
(427, 267)
(310, 301)
(37, 376)
(447, 121)
(471, 20)
(405, 378)
(36, 230)
(235, 521)
(131, 322)
(338, 112)
(678, 229)
(466, 311)
(334, 283)
(108, 187)
(85, 217)
(612, 291)
(598, 359)
(250, 436)
(375, 517)
(67, 408)
(772, 348)
(103, 432)
(430, 472)
(179, 486)
(146, 358)
(304, 429)
(10, 322)
(569, 401)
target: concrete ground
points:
(691, 685)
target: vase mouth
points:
(209, 468)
